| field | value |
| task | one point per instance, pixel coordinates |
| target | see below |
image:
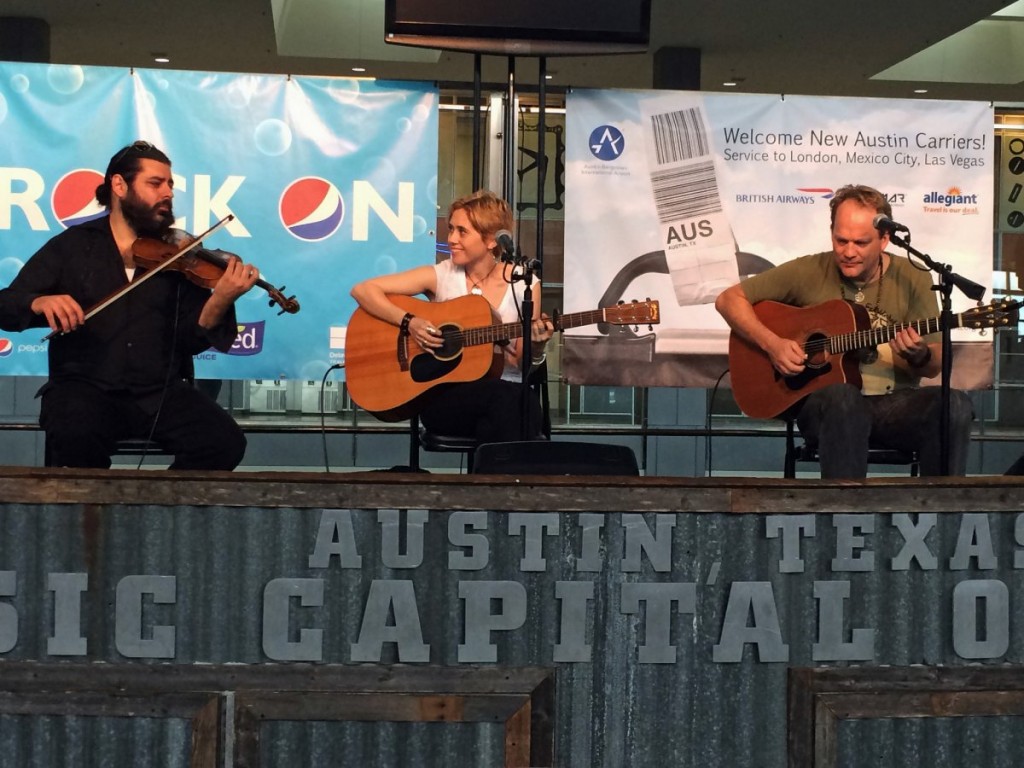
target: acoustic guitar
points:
(830, 333)
(387, 370)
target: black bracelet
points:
(403, 327)
(923, 361)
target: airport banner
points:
(329, 180)
(676, 195)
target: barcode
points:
(679, 136)
(683, 193)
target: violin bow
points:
(155, 270)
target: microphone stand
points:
(948, 279)
(529, 267)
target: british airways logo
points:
(74, 197)
(311, 208)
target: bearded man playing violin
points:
(127, 371)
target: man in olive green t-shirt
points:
(890, 409)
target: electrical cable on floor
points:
(323, 420)
(707, 423)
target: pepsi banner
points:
(330, 181)
(678, 195)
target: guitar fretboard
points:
(872, 337)
(491, 334)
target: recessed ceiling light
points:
(729, 84)
(920, 90)
(358, 69)
(161, 58)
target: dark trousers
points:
(82, 424)
(841, 422)
(489, 410)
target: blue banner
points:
(330, 181)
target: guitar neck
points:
(872, 337)
(491, 334)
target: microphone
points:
(507, 245)
(883, 223)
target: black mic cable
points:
(323, 418)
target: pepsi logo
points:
(6, 347)
(311, 208)
(74, 197)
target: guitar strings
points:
(868, 337)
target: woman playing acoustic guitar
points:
(488, 409)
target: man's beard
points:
(147, 220)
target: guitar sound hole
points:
(451, 342)
(818, 363)
(815, 347)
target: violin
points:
(201, 266)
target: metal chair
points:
(876, 455)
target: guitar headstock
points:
(1002, 313)
(633, 313)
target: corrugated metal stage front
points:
(381, 619)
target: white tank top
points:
(451, 283)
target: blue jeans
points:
(842, 422)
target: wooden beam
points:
(361, 490)
(820, 698)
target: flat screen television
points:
(521, 27)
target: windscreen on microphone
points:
(504, 239)
(883, 223)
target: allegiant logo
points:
(249, 340)
(953, 196)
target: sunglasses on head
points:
(135, 146)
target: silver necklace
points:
(859, 295)
(476, 290)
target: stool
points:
(876, 455)
(131, 446)
(138, 446)
(431, 441)
(420, 436)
